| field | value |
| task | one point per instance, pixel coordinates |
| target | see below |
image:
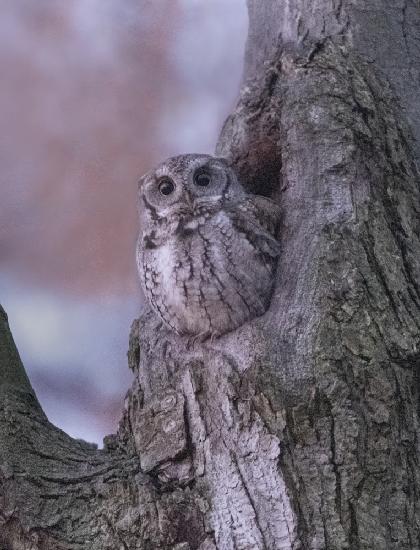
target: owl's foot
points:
(201, 338)
(214, 336)
(192, 341)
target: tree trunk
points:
(300, 429)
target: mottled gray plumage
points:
(207, 250)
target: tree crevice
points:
(299, 430)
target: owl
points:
(207, 250)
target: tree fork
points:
(300, 429)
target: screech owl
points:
(207, 251)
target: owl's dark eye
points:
(202, 178)
(166, 186)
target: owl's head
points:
(186, 183)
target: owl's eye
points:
(166, 186)
(202, 178)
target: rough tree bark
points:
(300, 429)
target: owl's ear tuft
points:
(140, 182)
(225, 161)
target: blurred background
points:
(94, 93)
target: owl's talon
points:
(201, 338)
(190, 343)
(214, 336)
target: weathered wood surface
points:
(299, 430)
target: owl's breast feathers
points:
(212, 269)
(258, 219)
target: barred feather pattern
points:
(207, 263)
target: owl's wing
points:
(259, 218)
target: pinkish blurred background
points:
(94, 93)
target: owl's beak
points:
(190, 201)
(191, 225)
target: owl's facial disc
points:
(187, 186)
(206, 182)
(161, 192)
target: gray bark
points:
(300, 429)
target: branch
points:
(13, 377)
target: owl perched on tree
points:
(207, 250)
